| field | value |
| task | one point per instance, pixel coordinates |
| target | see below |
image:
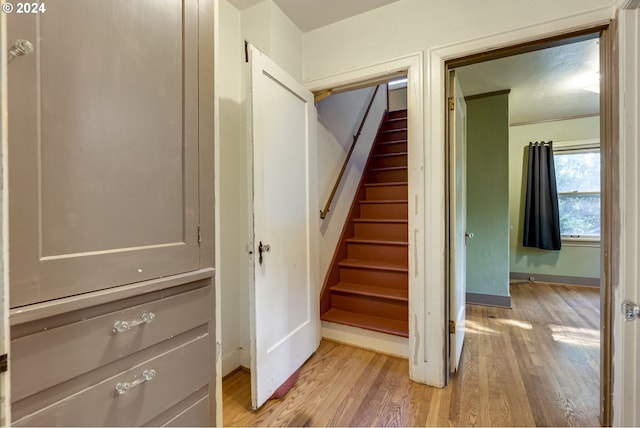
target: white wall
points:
(232, 274)
(398, 99)
(270, 30)
(339, 117)
(265, 26)
(408, 26)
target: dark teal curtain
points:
(541, 216)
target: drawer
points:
(46, 358)
(179, 372)
(192, 412)
(197, 415)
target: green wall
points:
(488, 194)
(572, 259)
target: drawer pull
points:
(122, 326)
(123, 387)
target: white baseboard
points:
(366, 339)
(238, 358)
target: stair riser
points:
(390, 176)
(373, 306)
(397, 114)
(391, 211)
(378, 193)
(387, 161)
(392, 148)
(378, 278)
(394, 135)
(395, 124)
(375, 252)
(390, 231)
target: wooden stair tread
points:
(383, 201)
(381, 143)
(375, 241)
(389, 168)
(394, 130)
(380, 220)
(372, 291)
(391, 183)
(386, 155)
(374, 265)
(354, 319)
(395, 119)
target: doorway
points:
(598, 122)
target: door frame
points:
(610, 182)
(412, 65)
(435, 110)
(5, 380)
(624, 272)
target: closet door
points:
(103, 146)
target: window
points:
(577, 167)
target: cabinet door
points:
(103, 146)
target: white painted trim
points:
(627, 4)
(356, 75)
(217, 286)
(412, 64)
(435, 315)
(626, 340)
(366, 339)
(5, 378)
(593, 143)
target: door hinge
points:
(246, 51)
(199, 235)
(4, 363)
(452, 326)
(452, 103)
(630, 310)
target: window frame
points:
(571, 147)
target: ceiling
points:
(545, 85)
(308, 15)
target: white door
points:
(458, 220)
(283, 296)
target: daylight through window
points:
(578, 181)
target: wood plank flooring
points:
(536, 364)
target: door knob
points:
(262, 248)
(468, 235)
(630, 310)
(22, 47)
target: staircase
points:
(367, 284)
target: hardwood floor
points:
(535, 364)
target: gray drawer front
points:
(179, 372)
(197, 415)
(47, 358)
